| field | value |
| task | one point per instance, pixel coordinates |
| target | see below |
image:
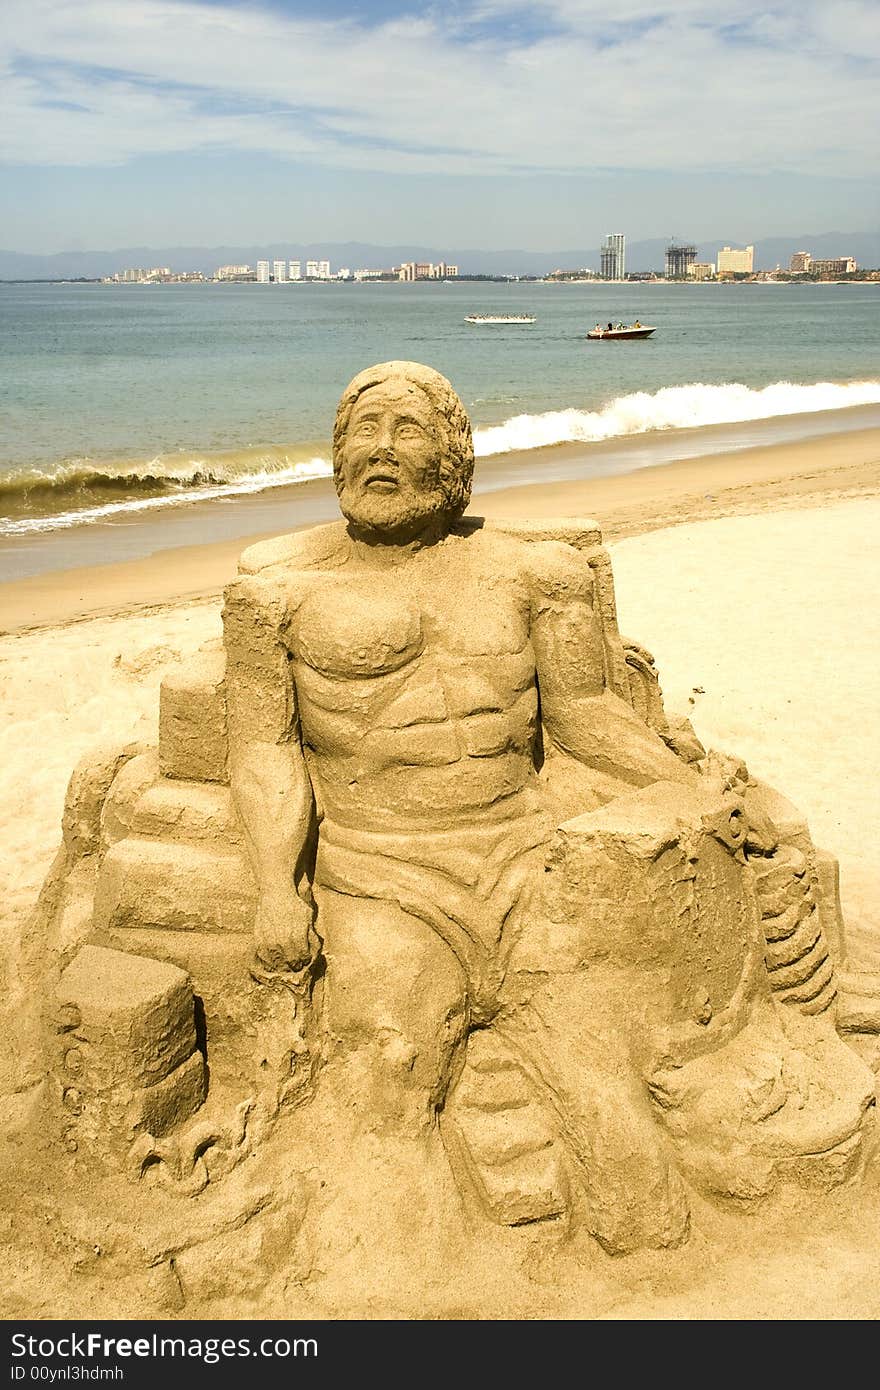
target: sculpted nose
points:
(383, 442)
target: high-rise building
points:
(231, 272)
(262, 272)
(679, 260)
(800, 263)
(834, 265)
(311, 270)
(279, 272)
(294, 270)
(613, 256)
(732, 261)
(701, 270)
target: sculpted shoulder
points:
(272, 594)
(557, 570)
(270, 601)
(276, 576)
(535, 554)
(551, 572)
(489, 548)
(306, 549)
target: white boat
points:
(632, 330)
(499, 318)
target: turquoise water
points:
(113, 395)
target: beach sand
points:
(752, 579)
(178, 557)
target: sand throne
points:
(681, 930)
(153, 861)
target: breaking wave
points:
(672, 408)
(78, 491)
(81, 490)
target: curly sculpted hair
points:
(457, 465)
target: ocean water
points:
(115, 400)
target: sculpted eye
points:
(408, 430)
(365, 427)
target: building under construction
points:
(679, 259)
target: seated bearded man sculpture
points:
(552, 963)
(416, 703)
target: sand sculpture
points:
(425, 927)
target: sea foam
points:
(672, 408)
(77, 492)
(260, 481)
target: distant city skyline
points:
(680, 264)
(485, 123)
(675, 260)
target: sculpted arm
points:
(267, 771)
(583, 718)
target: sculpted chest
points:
(380, 653)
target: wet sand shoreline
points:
(647, 497)
(169, 523)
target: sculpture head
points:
(403, 455)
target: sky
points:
(535, 124)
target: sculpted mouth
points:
(387, 476)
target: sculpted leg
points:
(647, 996)
(571, 1031)
(387, 1212)
(394, 1011)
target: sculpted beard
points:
(403, 511)
(393, 514)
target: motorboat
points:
(623, 330)
(499, 318)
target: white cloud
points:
(792, 89)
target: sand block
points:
(157, 1109)
(100, 1122)
(192, 719)
(86, 792)
(218, 964)
(157, 883)
(788, 821)
(126, 1055)
(174, 809)
(859, 1010)
(581, 532)
(651, 883)
(216, 961)
(130, 782)
(135, 1017)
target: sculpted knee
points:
(395, 1010)
(407, 1049)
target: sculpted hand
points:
(283, 936)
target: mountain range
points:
(640, 255)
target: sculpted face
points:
(390, 461)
